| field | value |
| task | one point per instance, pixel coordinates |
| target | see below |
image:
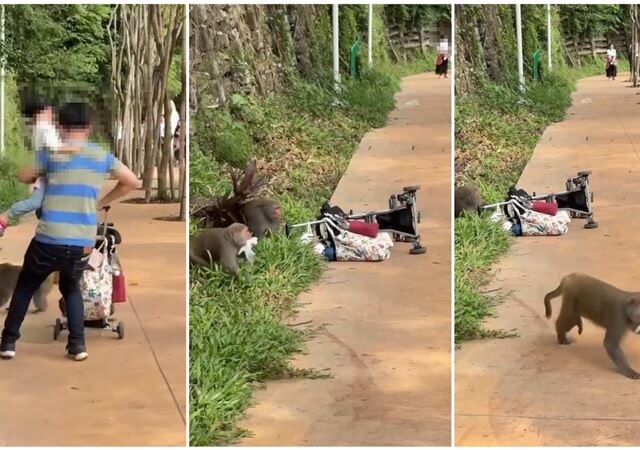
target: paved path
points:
(529, 390)
(387, 336)
(129, 392)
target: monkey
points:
(219, 244)
(467, 199)
(262, 215)
(8, 280)
(608, 307)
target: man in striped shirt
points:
(66, 231)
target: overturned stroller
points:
(576, 200)
(99, 311)
(401, 220)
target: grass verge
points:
(496, 132)
(303, 141)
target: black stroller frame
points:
(576, 199)
(387, 220)
(110, 237)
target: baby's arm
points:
(28, 205)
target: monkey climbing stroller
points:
(101, 285)
(345, 232)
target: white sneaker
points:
(8, 354)
(78, 356)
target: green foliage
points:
(410, 16)
(15, 131)
(11, 190)
(57, 42)
(226, 139)
(371, 97)
(174, 80)
(592, 21)
(479, 242)
(237, 336)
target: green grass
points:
(303, 140)
(237, 337)
(11, 190)
(496, 132)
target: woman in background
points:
(442, 61)
(612, 63)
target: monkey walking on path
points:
(8, 280)
(613, 309)
(220, 245)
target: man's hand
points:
(127, 181)
(27, 175)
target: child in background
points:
(40, 114)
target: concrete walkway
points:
(129, 392)
(529, 390)
(388, 329)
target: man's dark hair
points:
(74, 115)
(34, 107)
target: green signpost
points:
(354, 54)
(537, 57)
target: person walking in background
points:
(442, 61)
(612, 63)
(66, 231)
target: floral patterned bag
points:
(96, 287)
(539, 224)
(355, 247)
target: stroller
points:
(108, 237)
(576, 199)
(401, 219)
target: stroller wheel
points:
(120, 330)
(584, 173)
(57, 328)
(591, 225)
(418, 250)
(410, 189)
(592, 197)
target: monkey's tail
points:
(547, 300)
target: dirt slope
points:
(123, 394)
(529, 390)
(387, 335)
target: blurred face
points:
(75, 134)
(45, 116)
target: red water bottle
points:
(119, 293)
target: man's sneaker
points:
(77, 355)
(7, 351)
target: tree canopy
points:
(57, 42)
